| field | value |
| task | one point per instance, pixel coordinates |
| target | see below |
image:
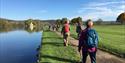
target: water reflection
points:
(28, 29)
(19, 45)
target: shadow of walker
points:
(58, 59)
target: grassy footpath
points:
(53, 50)
(111, 38)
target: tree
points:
(58, 21)
(58, 24)
(121, 18)
(99, 21)
(79, 20)
(28, 21)
(63, 20)
(76, 20)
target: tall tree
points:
(58, 21)
(79, 19)
(63, 20)
(76, 20)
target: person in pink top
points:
(66, 32)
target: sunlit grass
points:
(53, 50)
(111, 37)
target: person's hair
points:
(89, 20)
(66, 21)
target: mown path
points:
(102, 57)
(53, 50)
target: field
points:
(53, 51)
(111, 38)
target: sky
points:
(107, 10)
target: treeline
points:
(40, 24)
(9, 25)
(97, 22)
(120, 20)
(73, 21)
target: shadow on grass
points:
(47, 30)
(46, 62)
(58, 59)
(74, 36)
(53, 43)
(52, 38)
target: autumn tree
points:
(121, 18)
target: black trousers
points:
(91, 54)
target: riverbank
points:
(53, 51)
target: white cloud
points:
(105, 3)
(43, 11)
(95, 10)
(122, 7)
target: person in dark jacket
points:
(88, 42)
(78, 29)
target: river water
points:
(19, 46)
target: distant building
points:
(31, 26)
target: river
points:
(19, 46)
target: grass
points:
(111, 38)
(53, 51)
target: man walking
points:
(78, 29)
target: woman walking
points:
(66, 32)
(88, 42)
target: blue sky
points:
(54, 9)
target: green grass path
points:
(53, 51)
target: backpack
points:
(92, 38)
